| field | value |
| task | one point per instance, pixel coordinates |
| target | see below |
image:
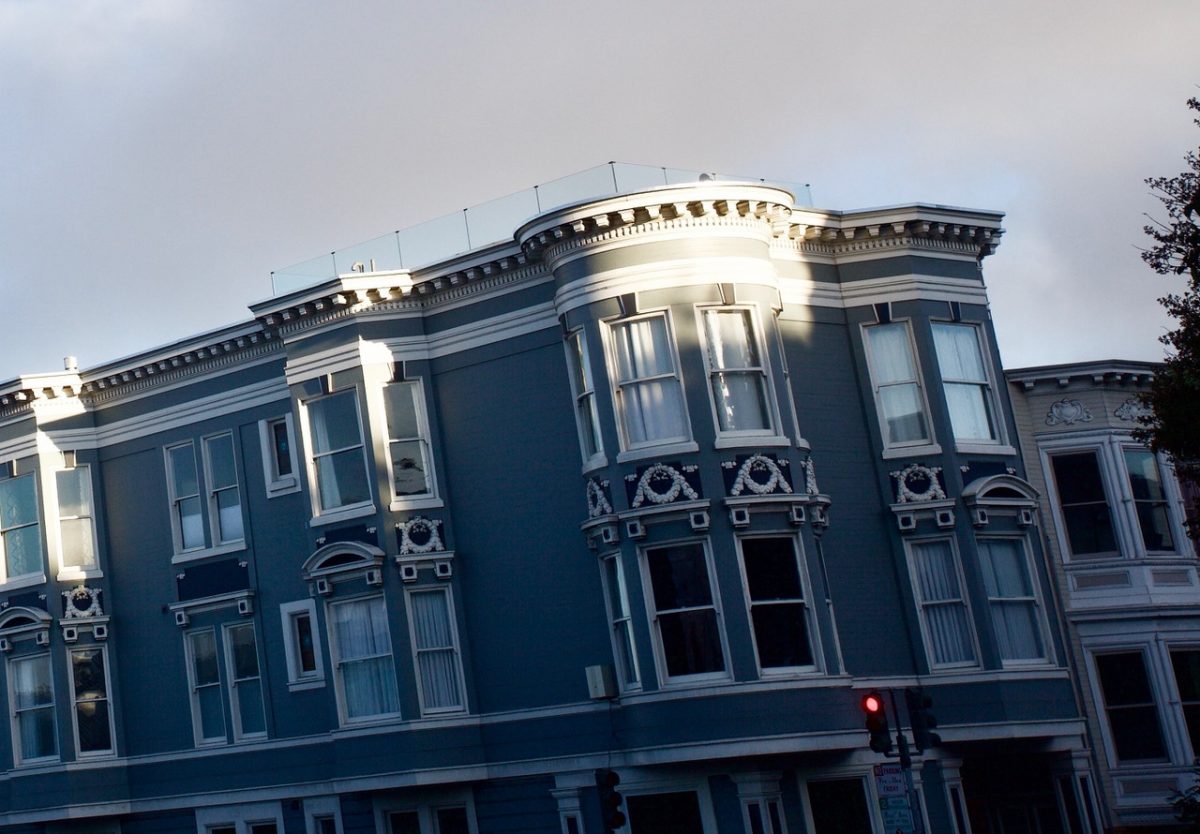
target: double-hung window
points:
(778, 612)
(208, 686)
(1129, 703)
(1012, 599)
(649, 393)
(204, 678)
(435, 646)
(76, 534)
(1185, 663)
(302, 647)
(622, 627)
(736, 371)
(362, 657)
(583, 389)
(336, 444)
(965, 381)
(222, 499)
(945, 619)
(245, 683)
(20, 529)
(408, 440)
(1149, 500)
(897, 384)
(447, 819)
(686, 619)
(31, 705)
(89, 691)
(1084, 505)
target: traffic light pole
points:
(901, 739)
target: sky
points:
(159, 158)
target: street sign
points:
(891, 785)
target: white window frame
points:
(769, 435)
(193, 689)
(585, 396)
(810, 624)
(112, 730)
(633, 785)
(677, 444)
(14, 727)
(620, 620)
(278, 484)
(844, 774)
(239, 817)
(335, 661)
(424, 439)
(1105, 469)
(298, 679)
(1035, 599)
(343, 511)
(233, 683)
(660, 656)
(1146, 648)
(212, 502)
(322, 807)
(174, 500)
(455, 647)
(964, 599)
(38, 576)
(70, 572)
(903, 448)
(426, 810)
(998, 444)
(1164, 476)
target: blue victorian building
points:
(662, 483)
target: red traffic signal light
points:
(877, 723)
(872, 703)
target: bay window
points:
(1083, 504)
(776, 598)
(736, 371)
(1149, 500)
(31, 705)
(585, 396)
(408, 440)
(89, 691)
(897, 384)
(945, 619)
(20, 528)
(1129, 704)
(686, 620)
(648, 390)
(336, 448)
(965, 382)
(617, 597)
(435, 647)
(361, 644)
(1012, 599)
(77, 539)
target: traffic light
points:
(922, 719)
(877, 723)
(610, 801)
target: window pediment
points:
(1000, 490)
(341, 557)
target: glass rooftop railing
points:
(494, 221)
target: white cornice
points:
(1106, 372)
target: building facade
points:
(1126, 573)
(663, 485)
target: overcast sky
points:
(158, 158)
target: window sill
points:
(594, 462)
(78, 574)
(424, 502)
(371, 721)
(27, 581)
(283, 486)
(645, 452)
(705, 679)
(342, 514)
(205, 553)
(984, 449)
(301, 686)
(737, 441)
(911, 451)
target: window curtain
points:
(33, 694)
(965, 380)
(1009, 589)
(365, 654)
(944, 611)
(895, 375)
(891, 354)
(437, 656)
(653, 410)
(738, 394)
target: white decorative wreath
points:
(419, 524)
(73, 610)
(905, 494)
(597, 502)
(759, 463)
(646, 492)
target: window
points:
(224, 497)
(435, 646)
(649, 396)
(839, 806)
(408, 440)
(338, 458)
(77, 538)
(301, 645)
(1185, 663)
(89, 691)
(965, 381)
(945, 620)
(1085, 509)
(31, 701)
(322, 815)
(204, 676)
(276, 440)
(1012, 599)
(585, 397)
(245, 687)
(451, 819)
(1149, 500)
(366, 677)
(897, 385)
(184, 492)
(765, 816)
(736, 372)
(20, 531)
(622, 627)
(257, 818)
(777, 609)
(685, 613)
(1129, 704)
(677, 812)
